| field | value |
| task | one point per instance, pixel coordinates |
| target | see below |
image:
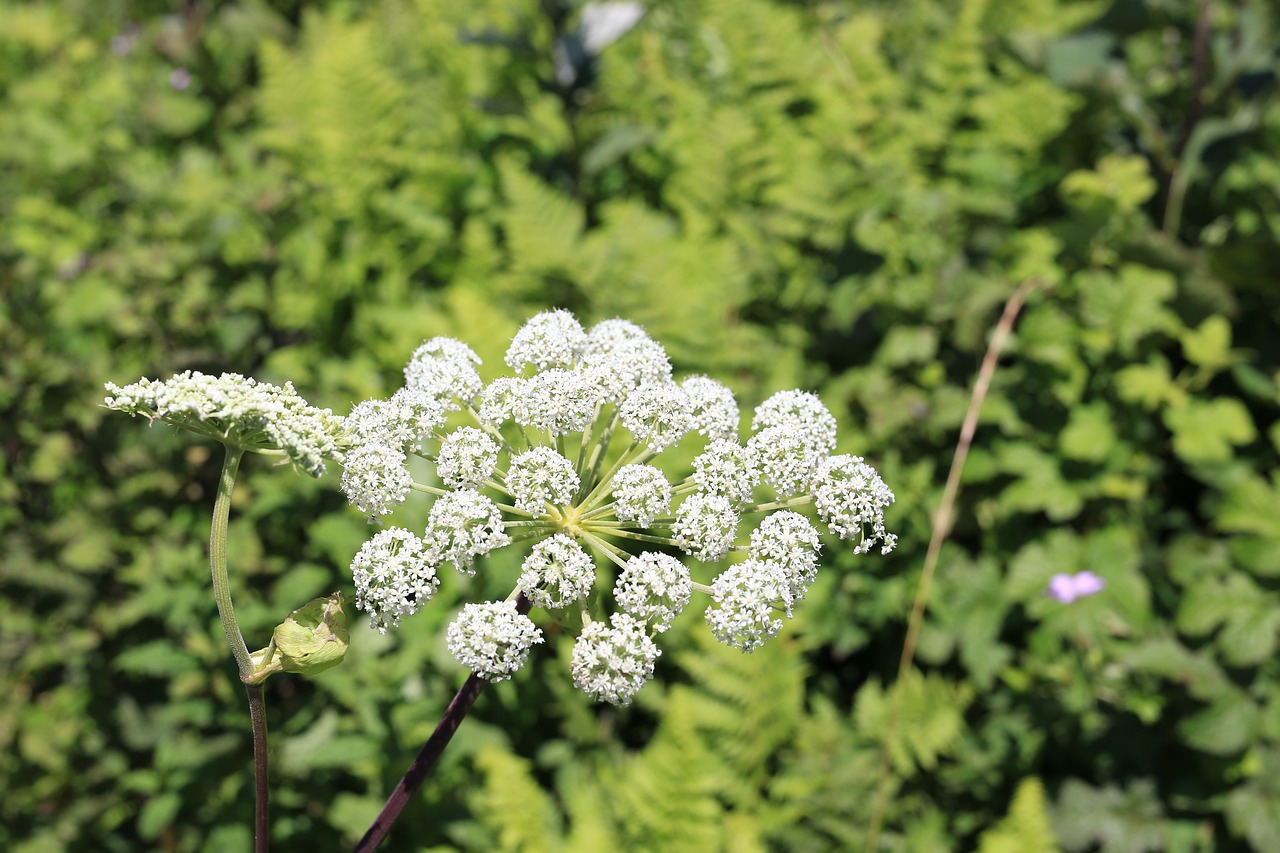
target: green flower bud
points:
(314, 638)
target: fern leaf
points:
(1026, 828)
(514, 807)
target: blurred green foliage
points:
(831, 195)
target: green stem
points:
(531, 536)
(588, 435)
(218, 561)
(597, 457)
(244, 662)
(614, 554)
(598, 512)
(802, 500)
(601, 487)
(641, 537)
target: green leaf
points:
(1089, 435)
(1253, 809)
(1249, 615)
(158, 814)
(1124, 308)
(1120, 182)
(929, 722)
(513, 804)
(908, 345)
(1170, 660)
(1128, 820)
(1209, 346)
(542, 226)
(157, 658)
(352, 813)
(1040, 485)
(1224, 728)
(1148, 385)
(1252, 505)
(1205, 431)
(1254, 382)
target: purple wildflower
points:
(1067, 588)
(179, 79)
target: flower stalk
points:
(235, 640)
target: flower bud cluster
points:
(566, 456)
(239, 411)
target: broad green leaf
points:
(1174, 662)
(908, 345)
(1040, 485)
(1224, 728)
(1253, 808)
(1206, 431)
(1126, 307)
(1250, 617)
(1252, 505)
(1209, 346)
(1148, 385)
(1122, 182)
(1089, 435)
(1125, 820)
(158, 814)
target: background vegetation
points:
(832, 195)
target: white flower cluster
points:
(563, 454)
(493, 638)
(395, 575)
(240, 411)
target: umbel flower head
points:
(564, 456)
(239, 411)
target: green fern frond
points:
(542, 226)
(665, 796)
(512, 805)
(1026, 828)
(747, 707)
(334, 108)
(930, 718)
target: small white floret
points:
(541, 476)
(446, 369)
(640, 493)
(789, 540)
(464, 525)
(550, 339)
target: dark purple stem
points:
(258, 717)
(428, 756)
(422, 764)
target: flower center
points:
(568, 520)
